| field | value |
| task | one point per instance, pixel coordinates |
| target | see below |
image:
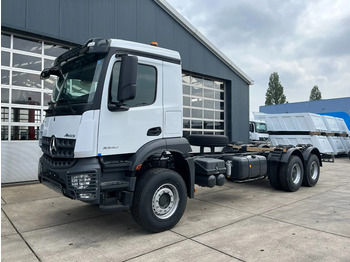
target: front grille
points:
(64, 147)
(58, 163)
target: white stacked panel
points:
(310, 123)
(260, 116)
(293, 122)
(344, 130)
(331, 124)
(321, 142)
(342, 125)
(346, 143)
(335, 141)
(336, 144)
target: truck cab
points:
(258, 131)
(116, 111)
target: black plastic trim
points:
(292, 151)
(61, 176)
(179, 145)
(155, 131)
(190, 185)
(312, 150)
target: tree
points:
(274, 94)
(315, 94)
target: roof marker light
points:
(154, 43)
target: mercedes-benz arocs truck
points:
(112, 136)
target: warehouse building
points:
(35, 32)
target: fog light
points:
(87, 196)
(81, 181)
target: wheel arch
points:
(312, 150)
(178, 145)
(179, 148)
(185, 167)
(293, 152)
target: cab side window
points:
(146, 85)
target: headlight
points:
(81, 181)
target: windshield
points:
(261, 127)
(79, 79)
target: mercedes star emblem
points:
(53, 148)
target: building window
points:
(23, 95)
(203, 106)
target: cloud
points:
(306, 42)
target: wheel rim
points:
(314, 170)
(296, 173)
(165, 201)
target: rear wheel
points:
(291, 174)
(160, 199)
(312, 172)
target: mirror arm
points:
(47, 72)
(117, 107)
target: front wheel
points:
(291, 174)
(312, 172)
(160, 199)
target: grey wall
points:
(143, 21)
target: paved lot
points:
(236, 222)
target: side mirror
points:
(127, 78)
(46, 73)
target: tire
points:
(160, 199)
(312, 172)
(291, 174)
(208, 140)
(273, 176)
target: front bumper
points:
(90, 180)
(61, 176)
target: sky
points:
(306, 42)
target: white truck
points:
(258, 131)
(112, 136)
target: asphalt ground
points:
(235, 222)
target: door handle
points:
(155, 131)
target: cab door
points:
(122, 132)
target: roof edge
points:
(201, 38)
